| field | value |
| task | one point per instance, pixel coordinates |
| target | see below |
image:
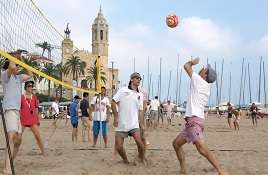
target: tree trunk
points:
(60, 85)
(43, 52)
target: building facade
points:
(100, 45)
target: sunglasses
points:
(29, 85)
(138, 78)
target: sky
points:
(212, 30)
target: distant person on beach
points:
(74, 117)
(230, 114)
(55, 110)
(68, 115)
(161, 115)
(237, 114)
(147, 115)
(194, 116)
(128, 120)
(29, 113)
(155, 111)
(169, 109)
(254, 111)
(12, 86)
(85, 118)
(100, 106)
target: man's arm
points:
(115, 113)
(90, 111)
(11, 69)
(27, 76)
(188, 66)
(108, 114)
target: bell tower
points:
(100, 31)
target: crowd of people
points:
(132, 113)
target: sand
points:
(243, 152)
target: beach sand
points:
(243, 152)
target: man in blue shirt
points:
(74, 117)
(12, 85)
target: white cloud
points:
(262, 45)
(203, 36)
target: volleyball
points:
(172, 21)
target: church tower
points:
(100, 31)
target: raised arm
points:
(28, 75)
(11, 68)
(188, 66)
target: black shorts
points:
(254, 115)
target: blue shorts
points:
(96, 128)
(74, 122)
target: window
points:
(107, 35)
(101, 34)
(113, 86)
(113, 76)
(95, 34)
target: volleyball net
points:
(24, 27)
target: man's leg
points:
(141, 147)
(83, 129)
(96, 129)
(7, 166)
(229, 122)
(88, 129)
(177, 145)
(104, 133)
(119, 142)
(202, 148)
(256, 120)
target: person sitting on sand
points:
(194, 116)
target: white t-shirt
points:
(55, 108)
(129, 104)
(199, 94)
(169, 107)
(100, 110)
(154, 105)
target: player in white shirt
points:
(169, 108)
(194, 116)
(100, 116)
(155, 104)
(129, 118)
(55, 110)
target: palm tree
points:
(92, 71)
(75, 66)
(60, 71)
(49, 69)
(44, 46)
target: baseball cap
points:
(212, 75)
(135, 75)
(77, 97)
